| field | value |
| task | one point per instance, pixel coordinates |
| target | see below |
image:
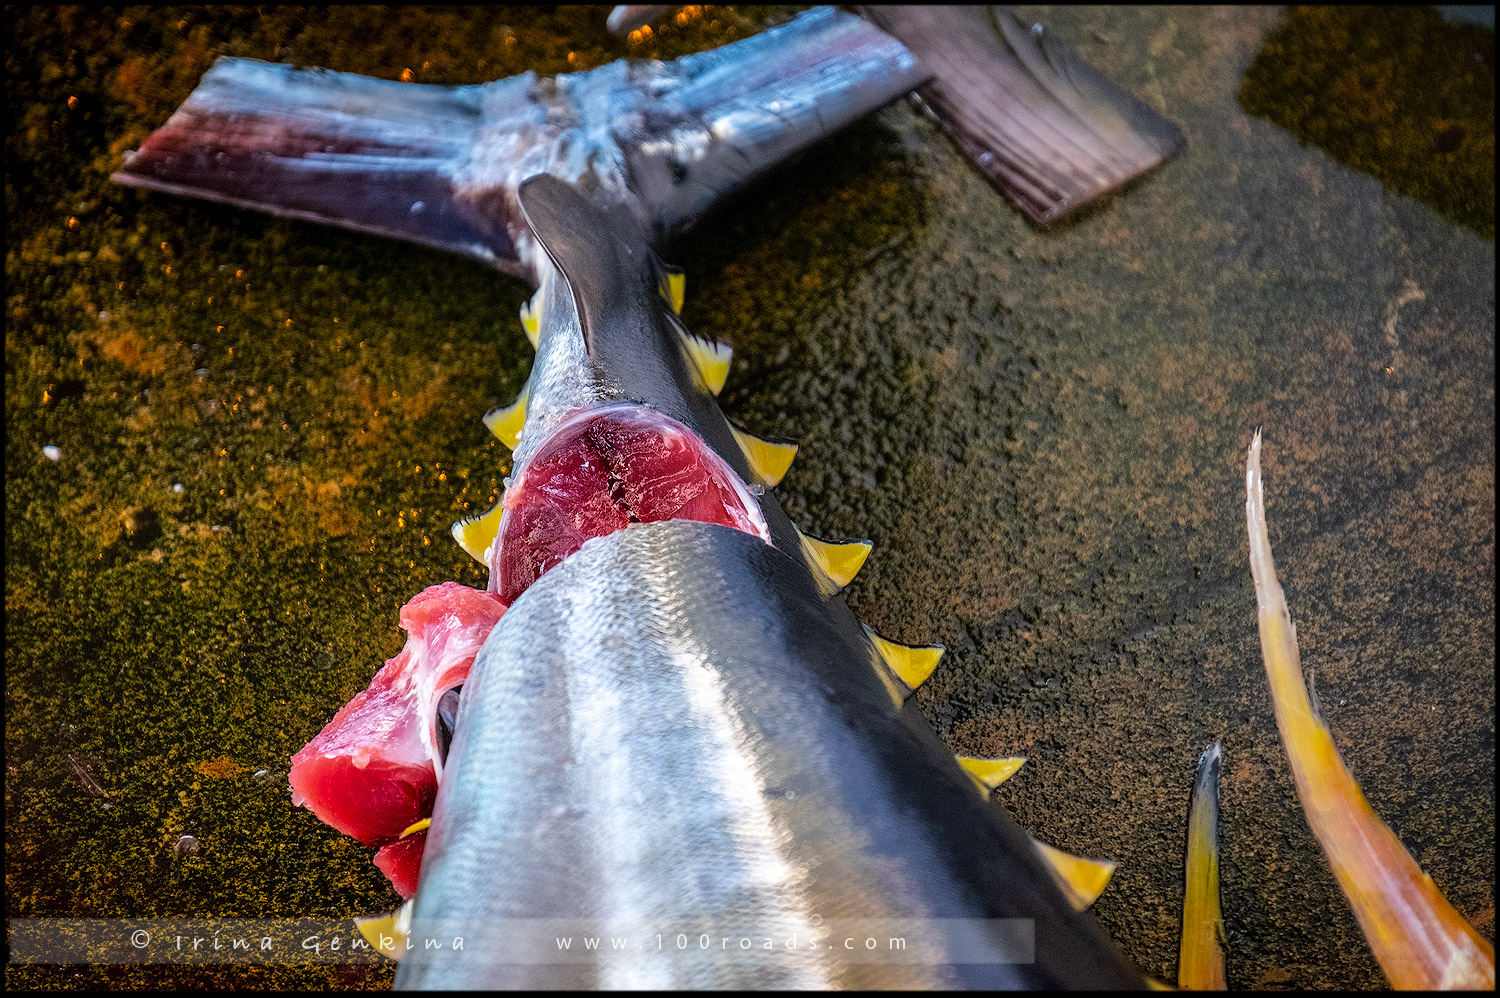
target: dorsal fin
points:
(1081, 879)
(601, 253)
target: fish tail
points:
(1200, 962)
(372, 155)
(1418, 938)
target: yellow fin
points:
(912, 664)
(415, 827)
(709, 359)
(840, 562)
(507, 422)
(477, 533)
(531, 319)
(676, 288)
(769, 459)
(1082, 880)
(389, 929)
(988, 774)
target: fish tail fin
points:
(1049, 130)
(1419, 939)
(1200, 961)
(342, 149)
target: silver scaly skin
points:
(682, 729)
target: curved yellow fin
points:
(508, 421)
(1200, 958)
(1082, 880)
(840, 562)
(769, 459)
(912, 664)
(415, 827)
(1419, 939)
(386, 933)
(709, 359)
(476, 534)
(988, 774)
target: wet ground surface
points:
(1043, 434)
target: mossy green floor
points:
(1043, 433)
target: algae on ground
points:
(1393, 90)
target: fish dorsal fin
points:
(840, 563)
(988, 774)
(1081, 879)
(389, 928)
(912, 664)
(477, 533)
(769, 459)
(602, 253)
(507, 422)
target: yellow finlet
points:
(415, 827)
(1082, 880)
(912, 664)
(507, 422)
(386, 933)
(1200, 957)
(769, 459)
(676, 288)
(531, 319)
(709, 360)
(839, 562)
(988, 774)
(476, 534)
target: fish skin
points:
(675, 727)
(681, 722)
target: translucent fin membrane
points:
(601, 471)
(840, 563)
(1420, 941)
(769, 459)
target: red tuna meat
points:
(603, 470)
(372, 771)
(401, 862)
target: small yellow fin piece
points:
(911, 663)
(676, 289)
(386, 933)
(988, 774)
(769, 459)
(476, 534)
(1200, 957)
(415, 827)
(507, 422)
(710, 360)
(840, 562)
(1082, 880)
(531, 321)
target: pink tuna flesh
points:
(602, 471)
(401, 862)
(372, 771)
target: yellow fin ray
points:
(709, 360)
(507, 422)
(988, 774)
(1081, 879)
(839, 562)
(415, 827)
(477, 533)
(531, 318)
(769, 459)
(912, 664)
(676, 291)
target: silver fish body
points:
(681, 743)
